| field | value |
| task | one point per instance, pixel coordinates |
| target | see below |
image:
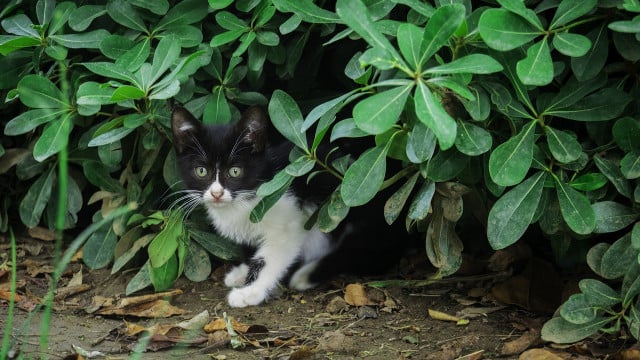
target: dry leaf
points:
(356, 295)
(473, 312)
(525, 341)
(63, 293)
(35, 268)
(76, 279)
(539, 354)
(476, 355)
(220, 324)
(438, 315)
(151, 309)
(41, 233)
(195, 323)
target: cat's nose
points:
(217, 194)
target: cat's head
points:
(222, 164)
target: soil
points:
(317, 324)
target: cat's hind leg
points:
(301, 279)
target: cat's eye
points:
(235, 171)
(201, 171)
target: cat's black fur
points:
(222, 167)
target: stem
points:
(398, 176)
(12, 295)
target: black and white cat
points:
(222, 167)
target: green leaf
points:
(560, 331)
(260, 210)
(126, 15)
(30, 120)
(563, 146)
(591, 64)
(307, 10)
(165, 244)
(419, 208)
(589, 182)
(626, 133)
(578, 310)
(511, 215)
(197, 265)
(110, 136)
(226, 37)
(503, 30)
(332, 212)
(432, 113)
(346, 129)
(301, 166)
(229, 21)
(184, 13)
(479, 107)
(574, 45)
(37, 91)
(217, 110)
(158, 7)
(576, 209)
(356, 15)
(132, 251)
(618, 258)
(631, 282)
(511, 160)
(127, 92)
(9, 44)
(54, 138)
(167, 52)
(537, 67)
(140, 280)
(520, 8)
(421, 143)
(112, 71)
(630, 165)
(470, 64)
(136, 56)
(82, 17)
(439, 29)
(98, 175)
(378, 113)
(574, 90)
(162, 277)
(287, 118)
(98, 250)
(393, 206)
(612, 216)
(36, 198)
(612, 171)
(472, 140)
(569, 10)
(365, 176)
(605, 104)
(20, 25)
(446, 165)
(87, 40)
(44, 11)
(599, 293)
(216, 245)
(409, 40)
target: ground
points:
(338, 320)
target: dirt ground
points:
(396, 322)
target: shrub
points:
(531, 106)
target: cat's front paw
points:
(246, 296)
(237, 276)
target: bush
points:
(531, 106)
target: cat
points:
(222, 167)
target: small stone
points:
(337, 305)
(367, 312)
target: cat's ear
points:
(184, 127)
(253, 127)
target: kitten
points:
(225, 164)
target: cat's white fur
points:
(280, 239)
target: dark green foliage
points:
(532, 105)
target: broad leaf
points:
(126, 15)
(511, 160)
(576, 209)
(54, 138)
(393, 206)
(511, 215)
(380, 112)
(503, 30)
(431, 112)
(630, 165)
(287, 118)
(472, 140)
(618, 258)
(599, 293)
(605, 104)
(365, 176)
(564, 147)
(440, 27)
(36, 198)
(569, 10)
(537, 67)
(612, 216)
(470, 64)
(573, 45)
(165, 244)
(38, 92)
(559, 330)
(578, 310)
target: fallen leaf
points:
(539, 354)
(438, 315)
(64, 292)
(473, 312)
(195, 323)
(41, 233)
(76, 279)
(35, 268)
(151, 306)
(528, 339)
(356, 295)
(476, 355)
(630, 354)
(221, 324)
